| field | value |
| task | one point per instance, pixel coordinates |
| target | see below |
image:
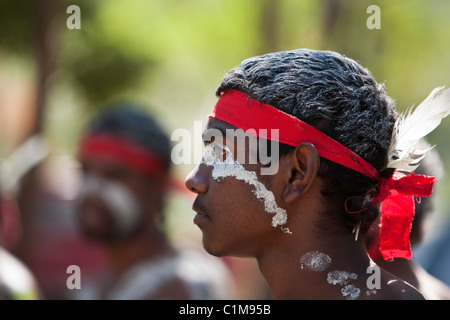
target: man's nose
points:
(197, 180)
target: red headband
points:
(234, 107)
(121, 150)
(396, 194)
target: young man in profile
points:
(336, 162)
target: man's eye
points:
(208, 138)
(221, 153)
(215, 153)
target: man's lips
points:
(199, 218)
(201, 213)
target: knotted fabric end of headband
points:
(397, 211)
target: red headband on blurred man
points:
(121, 150)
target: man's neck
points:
(336, 269)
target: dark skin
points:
(234, 223)
(147, 241)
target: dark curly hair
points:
(340, 98)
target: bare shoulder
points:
(393, 288)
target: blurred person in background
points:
(37, 187)
(410, 270)
(125, 157)
(17, 282)
(434, 254)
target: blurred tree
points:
(29, 33)
(270, 22)
(95, 66)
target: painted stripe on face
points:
(221, 159)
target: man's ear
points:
(303, 164)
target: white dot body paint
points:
(315, 261)
(228, 167)
(371, 292)
(342, 278)
(350, 292)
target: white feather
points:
(415, 124)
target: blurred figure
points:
(409, 270)
(16, 280)
(37, 216)
(434, 254)
(125, 158)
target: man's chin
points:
(213, 250)
(221, 251)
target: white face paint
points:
(119, 198)
(221, 159)
(315, 261)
